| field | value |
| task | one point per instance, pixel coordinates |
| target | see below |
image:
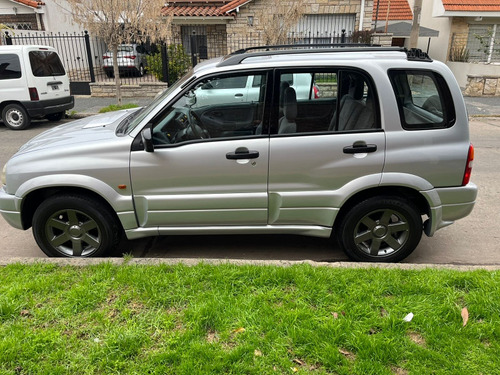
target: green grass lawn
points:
(116, 107)
(227, 319)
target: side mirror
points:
(147, 139)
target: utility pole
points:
(415, 27)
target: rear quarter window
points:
(10, 67)
(46, 64)
(423, 98)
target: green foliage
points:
(362, 36)
(116, 107)
(178, 63)
(228, 319)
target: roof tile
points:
(30, 3)
(472, 5)
(399, 10)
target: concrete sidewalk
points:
(87, 105)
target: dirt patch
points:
(417, 338)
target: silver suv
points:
(379, 155)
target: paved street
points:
(473, 240)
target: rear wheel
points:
(55, 116)
(109, 74)
(75, 226)
(15, 117)
(381, 229)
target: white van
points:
(33, 84)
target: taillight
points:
(468, 166)
(33, 93)
(130, 57)
(106, 57)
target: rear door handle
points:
(358, 148)
(238, 95)
(242, 153)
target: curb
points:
(74, 262)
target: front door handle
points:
(238, 95)
(359, 148)
(242, 153)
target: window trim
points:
(449, 113)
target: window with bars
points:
(20, 26)
(483, 43)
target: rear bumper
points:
(455, 203)
(9, 209)
(42, 108)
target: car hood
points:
(90, 129)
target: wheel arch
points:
(403, 192)
(34, 198)
(7, 102)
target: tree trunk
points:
(116, 72)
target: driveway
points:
(473, 240)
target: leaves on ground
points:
(465, 316)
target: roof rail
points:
(288, 49)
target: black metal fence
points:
(85, 57)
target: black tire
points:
(380, 229)
(109, 74)
(55, 116)
(75, 226)
(15, 117)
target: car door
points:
(194, 178)
(311, 172)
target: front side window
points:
(424, 100)
(216, 107)
(10, 67)
(46, 64)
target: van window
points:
(10, 67)
(46, 63)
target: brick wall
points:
(459, 33)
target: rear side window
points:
(46, 63)
(10, 67)
(424, 100)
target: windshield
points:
(130, 122)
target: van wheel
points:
(381, 229)
(109, 74)
(55, 116)
(15, 117)
(75, 226)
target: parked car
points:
(247, 88)
(382, 156)
(33, 84)
(131, 60)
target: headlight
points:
(4, 174)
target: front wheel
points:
(15, 117)
(75, 226)
(381, 229)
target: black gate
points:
(74, 50)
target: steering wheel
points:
(197, 127)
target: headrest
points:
(356, 86)
(283, 86)
(290, 104)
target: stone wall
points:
(240, 25)
(478, 85)
(108, 89)
(384, 40)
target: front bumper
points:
(455, 203)
(40, 108)
(9, 209)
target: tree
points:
(278, 20)
(120, 22)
